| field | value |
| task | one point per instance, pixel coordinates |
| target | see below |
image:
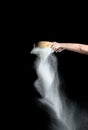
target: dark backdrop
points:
(73, 69)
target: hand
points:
(56, 46)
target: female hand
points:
(56, 46)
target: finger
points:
(59, 50)
(50, 45)
(55, 49)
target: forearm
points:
(76, 47)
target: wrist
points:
(63, 45)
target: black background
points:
(73, 68)
(61, 24)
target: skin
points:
(75, 47)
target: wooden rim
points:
(43, 44)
